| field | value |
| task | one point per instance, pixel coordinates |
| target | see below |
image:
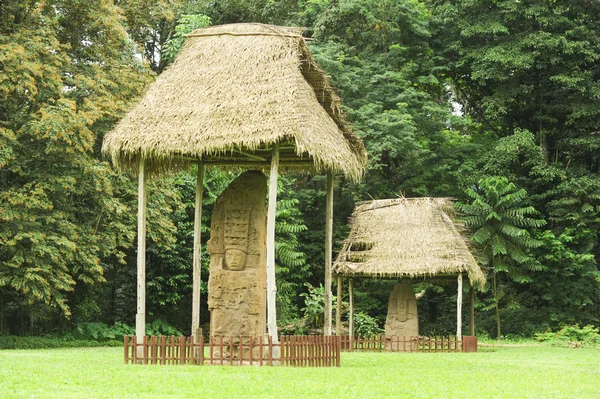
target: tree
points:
(502, 223)
(570, 251)
(186, 24)
(291, 266)
(526, 64)
(69, 70)
(392, 87)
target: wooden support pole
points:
(328, 250)
(351, 317)
(197, 263)
(459, 308)
(472, 311)
(140, 317)
(338, 310)
(271, 287)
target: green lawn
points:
(506, 372)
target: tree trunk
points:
(1, 312)
(497, 308)
(472, 310)
(545, 149)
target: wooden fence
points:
(381, 343)
(298, 351)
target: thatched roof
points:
(234, 91)
(406, 237)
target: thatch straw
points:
(233, 92)
(406, 237)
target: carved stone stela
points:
(402, 317)
(237, 248)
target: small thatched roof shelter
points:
(406, 237)
(234, 91)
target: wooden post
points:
(351, 317)
(271, 287)
(459, 308)
(197, 264)
(328, 250)
(338, 310)
(472, 311)
(140, 318)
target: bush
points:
(102, 332)
(13, 342)
(314, 302)
(295, 327)
(588, 336)
(161, 327)
(365, 325)
(87, 335)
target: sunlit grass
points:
(506, 372)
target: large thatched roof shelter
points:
(407, 238)
(240, 96)
(234, 91)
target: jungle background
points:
(493, 102)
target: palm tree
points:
(501, 223)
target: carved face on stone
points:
(235, 259)
(403, 310)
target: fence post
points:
(221, 349)
(339, 352)
(211, 352)
(126, 348)
(163, 347)
(231, 350)
(195, 345)
(182, 350)
(134, 346)
(270, 350)
(261, 349)
(201, 350)
(145, 349)
(153, 349)
(251, 352)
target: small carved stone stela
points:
(402, 317)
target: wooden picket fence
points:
(296, 351)
(381, 343)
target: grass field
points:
(503, 372)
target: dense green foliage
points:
(16, 342)
(65, 81)
(491, 102)
(501, 225)
(572, 337)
